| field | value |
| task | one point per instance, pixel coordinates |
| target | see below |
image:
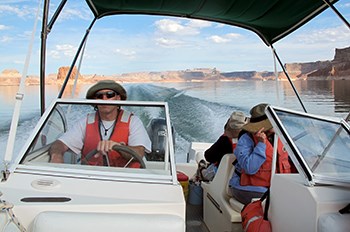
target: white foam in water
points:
(198, 110)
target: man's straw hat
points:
(258, 119)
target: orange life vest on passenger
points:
(234, 145)
(263, 176)
(119, 134)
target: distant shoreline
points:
(32, 81)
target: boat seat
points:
(54, 221)
(220, 209)
(196, 152)
(235, 204)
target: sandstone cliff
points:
(338, 68)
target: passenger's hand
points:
(260, 135)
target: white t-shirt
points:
(74, 137)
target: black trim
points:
(258, 119)
(345, 210)
(214, 202)
(291, 146)
(46, 199)
(238, 173)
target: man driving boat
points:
(108, 126)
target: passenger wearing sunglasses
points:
(108, 126)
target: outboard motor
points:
(158, 134)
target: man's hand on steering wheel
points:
(125, 151)
(105, 146)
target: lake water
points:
(198, 110)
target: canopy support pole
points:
(276, 76)
(290, 81)
(44, 33)
(337, 13)
(76, 58)
(46, 28)
(55, 15)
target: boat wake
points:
(193, 119)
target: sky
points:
(127, 44)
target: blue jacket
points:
(250, 158)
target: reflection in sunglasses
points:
(108, 94)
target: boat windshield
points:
(65, 115)
(319, 145)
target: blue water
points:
(198, 110)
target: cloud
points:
(178, 32)
(325, 35)
(22, 12)
(170, 43)
(218, 39)
(25, 11)
(4, 39)
(345, 5)
(62, 50)
(68, 14)
(172, 26)
(181, 27)
(54, 54)
(225, 38)
(3, 27)
(196, 23)
(125, 52)
(233, 35)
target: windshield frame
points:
(303, 167)
(168, 175)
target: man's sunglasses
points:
(109, 94)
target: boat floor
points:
(194, 219)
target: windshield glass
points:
(80, 127)
(323, 144)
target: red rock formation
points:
(337, 68)
(10, 73)
(63, 72)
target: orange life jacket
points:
(263, 176)
(119, 134)
(234, 145)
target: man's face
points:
(107, 94)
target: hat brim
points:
(254, 127)
(106, 84)
(236, 125)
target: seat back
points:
(223, 176)
(218, 214)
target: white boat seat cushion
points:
(236, 205)
(91, 222)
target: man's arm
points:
(140, 150)
(57, 150)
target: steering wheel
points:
(117, 148)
